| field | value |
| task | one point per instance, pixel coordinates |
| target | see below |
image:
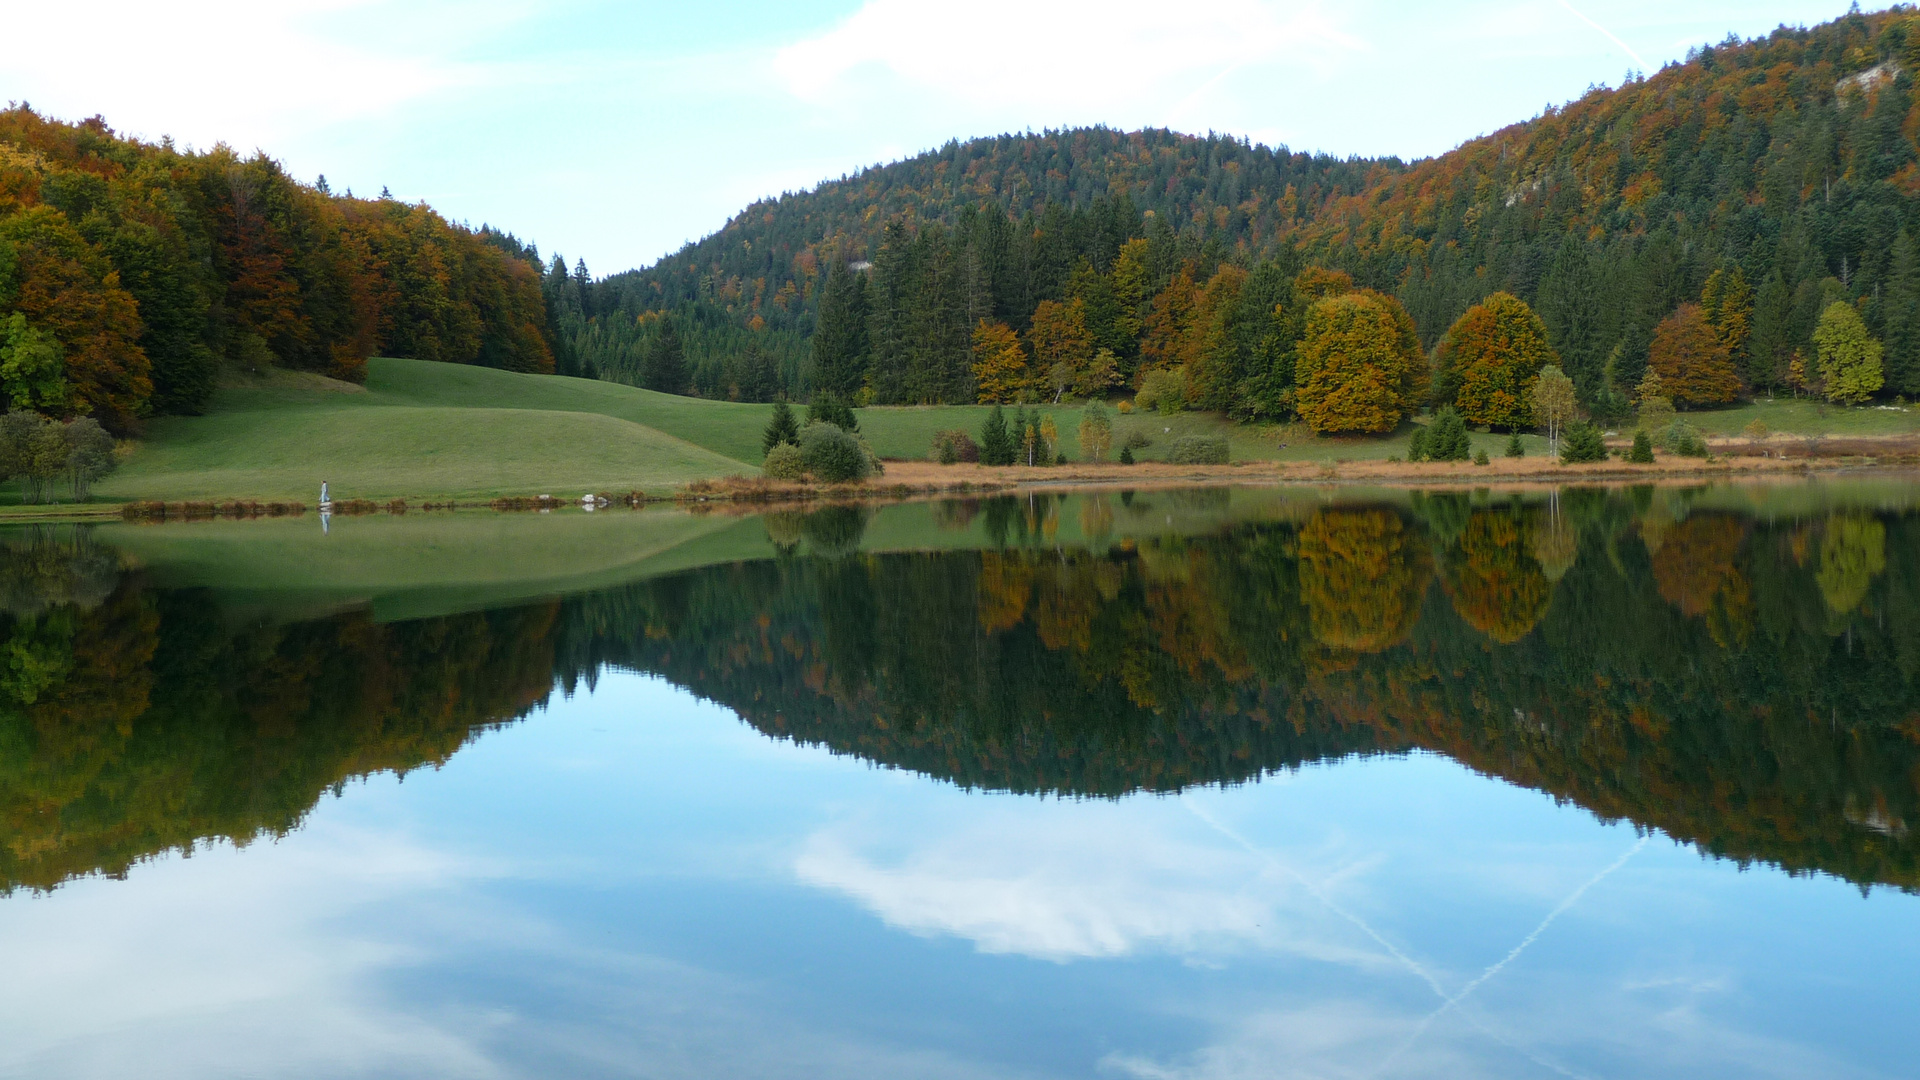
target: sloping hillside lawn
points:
(422, 430)
(418, 430)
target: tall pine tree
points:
(840, 352)
(666, 360)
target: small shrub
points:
(1757, 429)
(1136, 440)
(1582, 442)
(1480, 456)
(1198, 450)
(1642, 452)
(1164, 390)
(783, 463)
(1515, 448)
(1123, 408)
(950, 447)
(831, 454)
(1126, 455)
(1683, 439)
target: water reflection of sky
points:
(635, 884)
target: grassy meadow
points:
(422, 430)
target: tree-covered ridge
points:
(1760, 182)
(1050, 199)
(1790, 159)
(138, 270)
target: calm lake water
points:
(1195, 784)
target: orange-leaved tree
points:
(1692, 359)
(1060, 342)
(1000, 372)
(1491, 356)
(1359, 366)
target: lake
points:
(1212, 783)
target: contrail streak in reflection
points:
(1447, 1001)
(1318, 894)
(1448, 1005)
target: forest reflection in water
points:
(1743, 680)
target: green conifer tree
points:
(666, 360)
(996, 446)
(781, 429)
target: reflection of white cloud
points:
(216, 965)
(1007, 51)
(1108, 880)
(342, 952)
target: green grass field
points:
(422, 430)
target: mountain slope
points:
(1788, 164)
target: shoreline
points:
(915, 480)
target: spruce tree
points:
(840, 351)
(666, 360)
(1514, 447)
(1901, 321)
(1582, 443)
(1642, 452)
(829, 409)
(781, 429)
(996, 446)
(1447, 438)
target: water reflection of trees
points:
(1746, 685)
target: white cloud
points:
(1124, 55)
(242, 72)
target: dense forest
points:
(1743, 683)
(1747, 189)
(132, 273)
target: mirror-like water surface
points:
(1147, 784)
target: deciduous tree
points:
(1358, 365)
(1493, 353)
(1692, 359)
(1849, 357)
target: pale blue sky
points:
(618, 131)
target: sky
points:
(616, 132)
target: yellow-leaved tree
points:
(1491, 356)
(1359, 367)
(1000, 372)
(1061, 345)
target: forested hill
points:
(1787, 162)
(1790, 159)
(766, 264)
(131, 272)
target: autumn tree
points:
(1096, 431)
(1492, 354)
(1727, 304)
(1000, 372)
(1554, 404)
(1358, 366)
(1849, 357)
(1060, 342)
(1692, 359)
